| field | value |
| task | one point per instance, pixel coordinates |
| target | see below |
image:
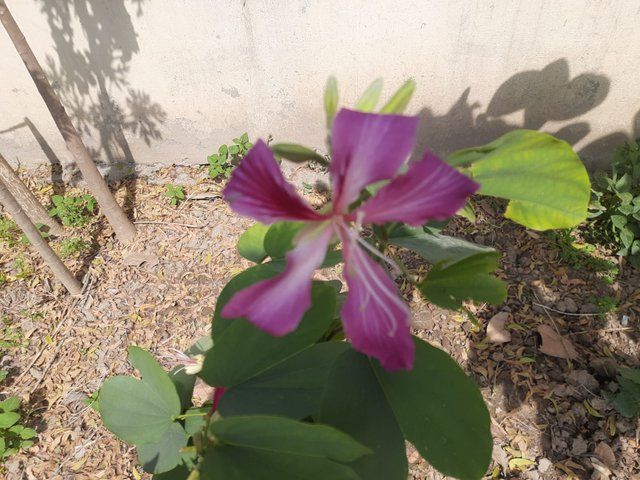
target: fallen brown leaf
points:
(496, 333)
(556, 345)
(605, 454)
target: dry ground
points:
(549, 418)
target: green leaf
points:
(370, 97)
(279, 238)
(196, 419)
(467, 212)
(26, 433)
(434, 247)
(545, 181)
(263, 432)
(296, 153)
(7, 419)
(330, 99)
(140, 411)
(154, 375)
(469, 278)
(184, 384)
(618, 221)
(399, 101)
(181, 472)
(232, 463)
(239, 282)
(355, 403)
(10, 404)
(243, 350)
(164, 455)
(632, 374)
(292, 388)
(441, 412)
(251, 243)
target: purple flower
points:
(366, 148)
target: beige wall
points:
(168, 80)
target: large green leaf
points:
(434, 247)
(270, 448)
(163, 455)
(279, 240)
(355, 403)
(435, 406)
(287, 436)
(399, 101)
(251, 243)
(242, 350)
(545, 181)
(369, 99)
(470, 278)
(181, 472)
(292, 388)
(140, 411)
(232, 463)
(441, 412)
(242, 280)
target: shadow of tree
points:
(89, 77)
(543, 96)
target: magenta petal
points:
(277, 305)
(375, 318)
(258, 190)
(430, 190)
(367, 148)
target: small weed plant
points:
(626, 400)
(615, 206)
(72, 247)
(73, 211)
(221, 164)
(13, 435)
(174, 193)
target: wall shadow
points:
(540, 96)
(56, 167)
(89, 77)
(547, 95)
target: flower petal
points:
(277, 305)
(367, 148)
(258, 190)
(375, 318)
(430, 190)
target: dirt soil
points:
(549, 417)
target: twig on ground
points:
(187, 225)
(565, 313)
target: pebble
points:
(583, 379)
(579, 446)
(570, 305)
(544, 464)
(589, 308)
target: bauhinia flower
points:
(366, 148)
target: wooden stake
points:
(27, 200)
(123, 227)
(61, 272)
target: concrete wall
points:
(168, 80)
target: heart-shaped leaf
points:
(140, 411)
(251, 243)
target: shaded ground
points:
(548, 415)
